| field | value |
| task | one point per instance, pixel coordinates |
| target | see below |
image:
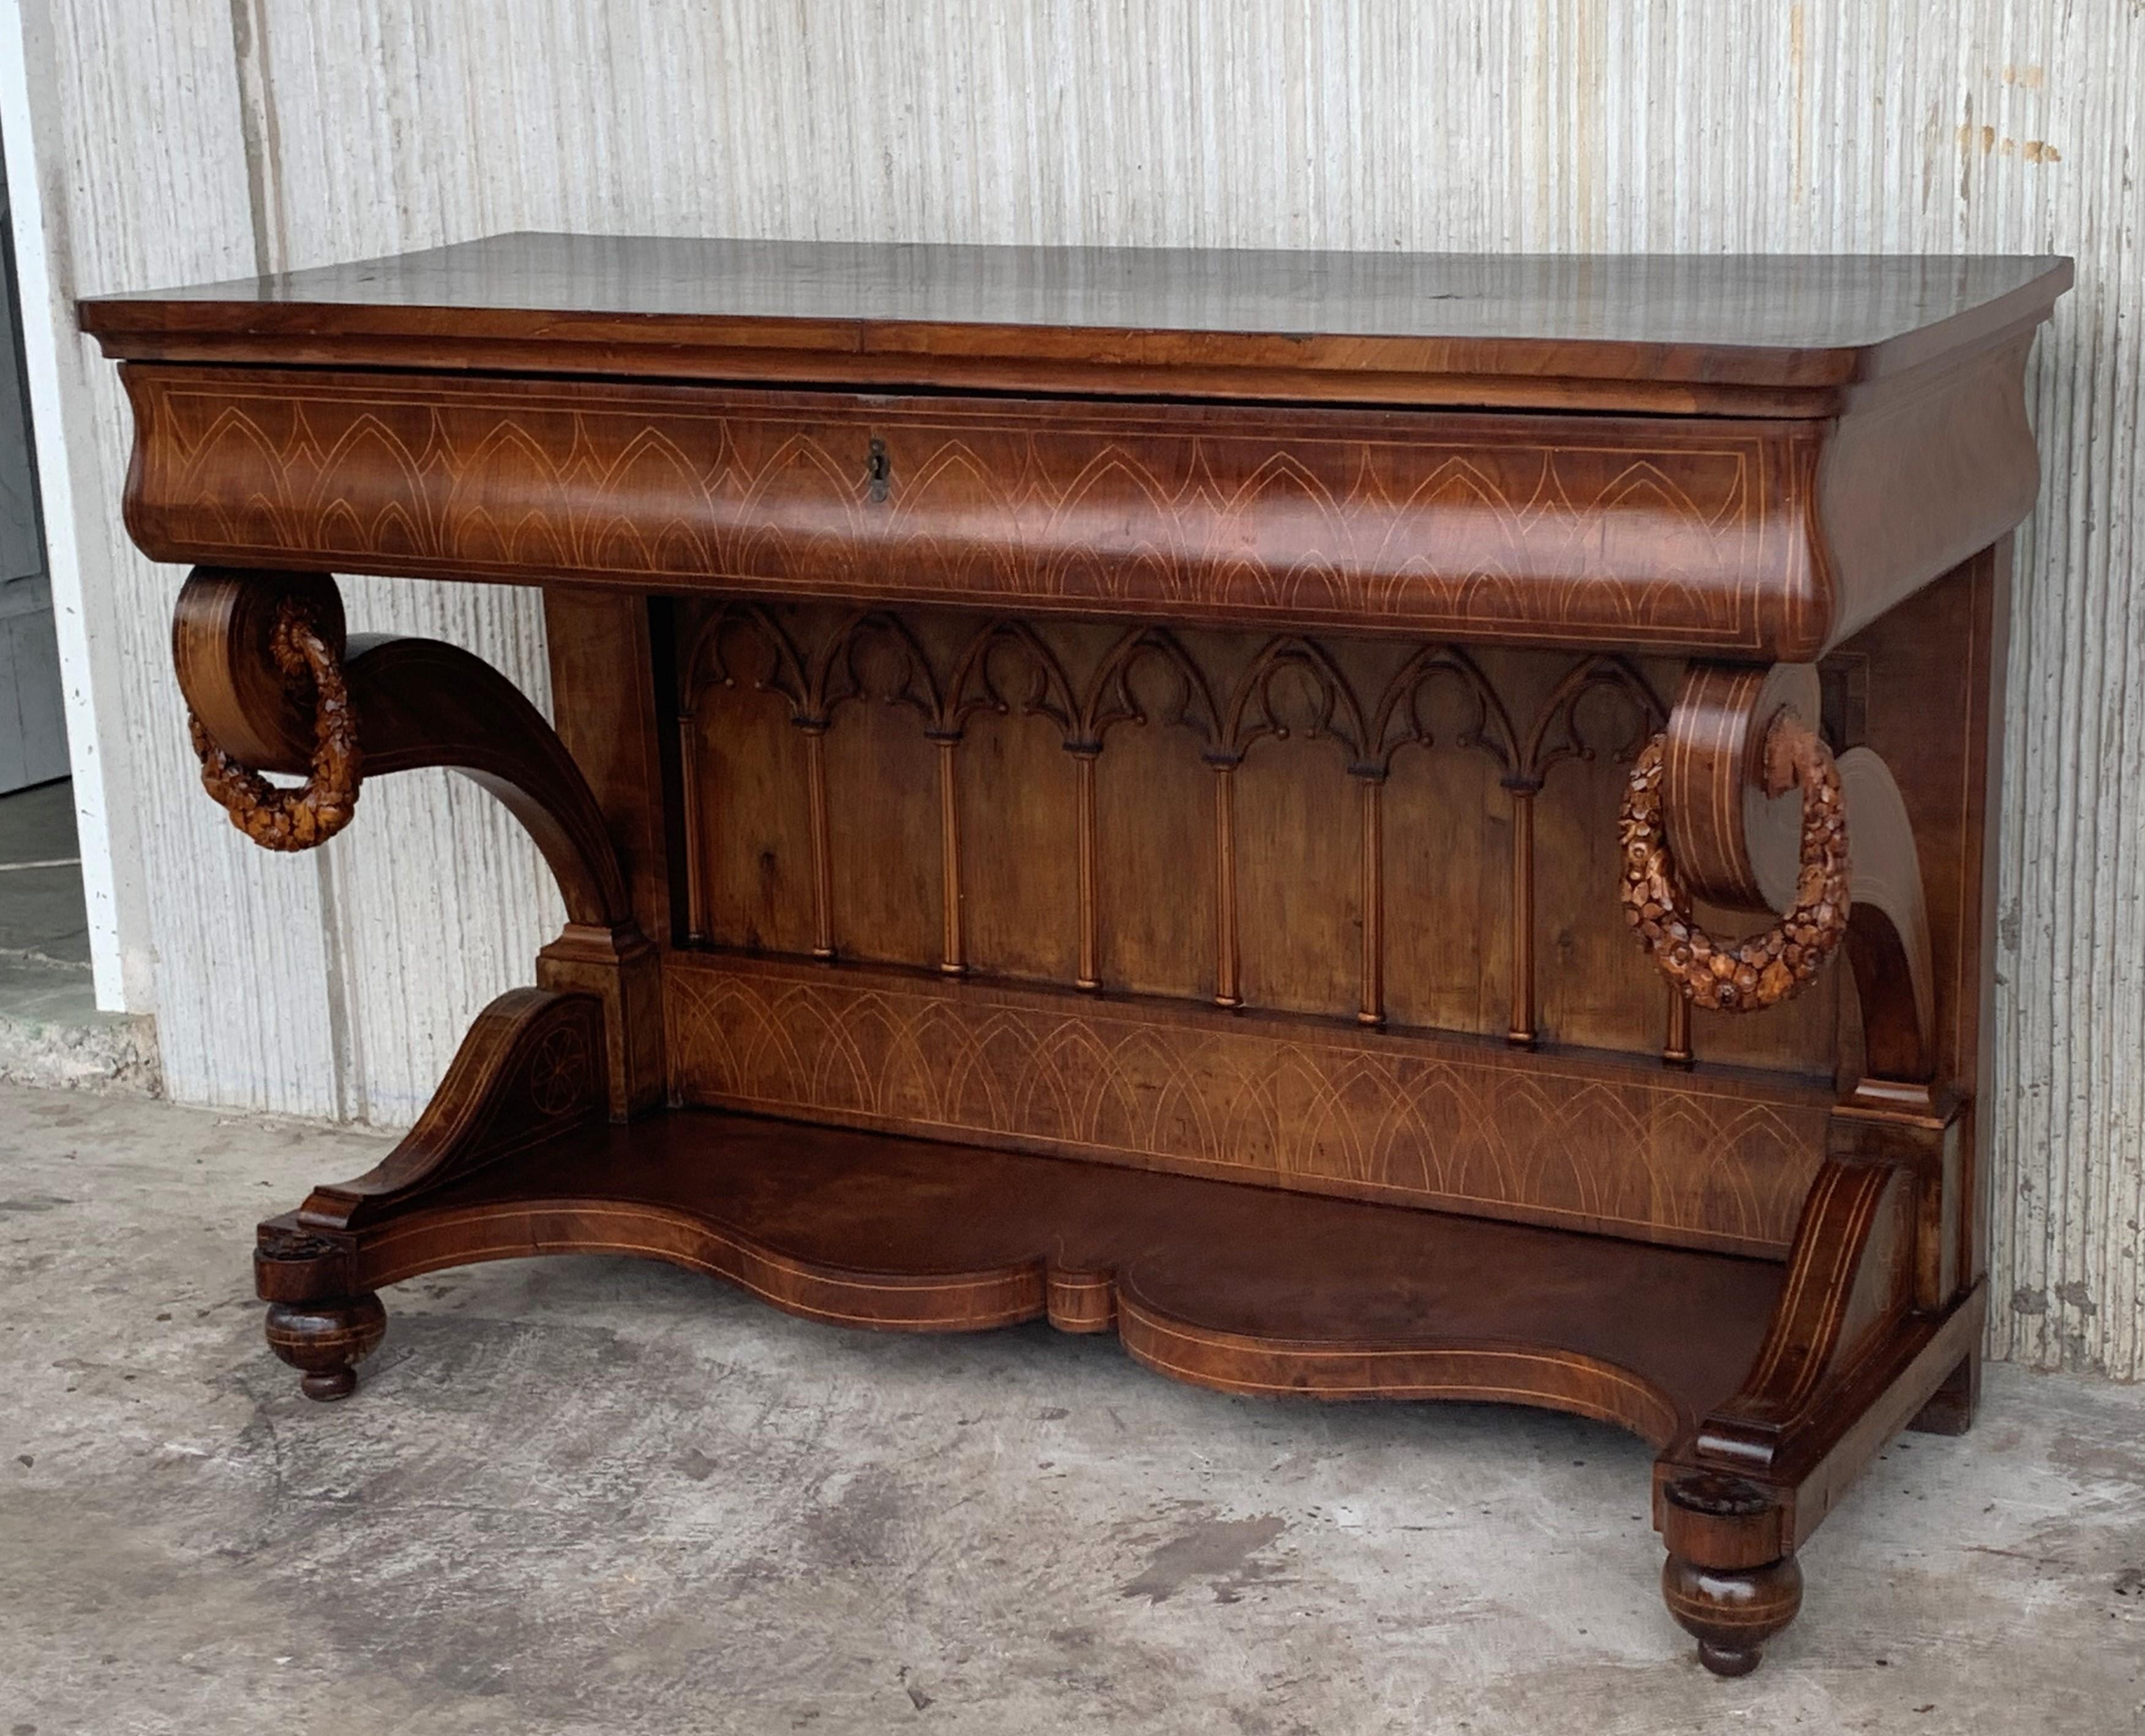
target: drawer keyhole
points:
(879, 468)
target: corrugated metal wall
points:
(196, 139)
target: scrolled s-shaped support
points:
(1749, 975)
(273, 684)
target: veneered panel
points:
(1630, 1147)
(1692, 534)
(1020, 858)
(754, 847)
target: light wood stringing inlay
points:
(1332, 1108)
(1525, 530)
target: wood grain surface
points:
(1579, 1140)
(1240, 1288)
(1708, 535)
(1653, 332)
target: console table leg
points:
(1732, 1611)
(325, 1342)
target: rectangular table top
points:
(1392, 327)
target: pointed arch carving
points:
(1109, 700)
(838, 676)
(1253, 714)
(1398, 720)
(1293, 685)
(1557, 735)
(707, 666)
(974, 685)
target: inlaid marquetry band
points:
(294, 820)
(1558, 531)
(1779, 964)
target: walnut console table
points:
(1376, 825)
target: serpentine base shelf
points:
(1247, 1290)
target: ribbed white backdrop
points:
(183, 139)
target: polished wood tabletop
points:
(652, 305)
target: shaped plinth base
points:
(1799, 1371)
(1249, 1289)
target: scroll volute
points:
(1734, 824)
(221, 645)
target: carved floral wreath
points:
(294, 820)
(1768, 967)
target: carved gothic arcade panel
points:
(1264, 822)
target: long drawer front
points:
(1690, 535)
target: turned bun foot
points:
(325, 1342)
(1732, 1612)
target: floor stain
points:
(2105, 1458)
(854, 1520)
(1217, 1551)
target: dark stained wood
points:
(1849, 1283)
(261, 667)
(223, 649)
(1267, 324)
(623, 971)
(1766, 969)
(1737, 842)
(1126, 759)
(530, 1069)
(1888, 935)
(1238, 1288)
(416, 703)
(325, 1340)
(601, 642)
(1943, 715)
(1732, 1612)
(1951, 1410)
(1692, 534)
(603, 645)
(1705, 1157)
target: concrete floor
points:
(50, 1033)
(596, 1496)
(41, 914)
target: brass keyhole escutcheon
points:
(879, 469)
